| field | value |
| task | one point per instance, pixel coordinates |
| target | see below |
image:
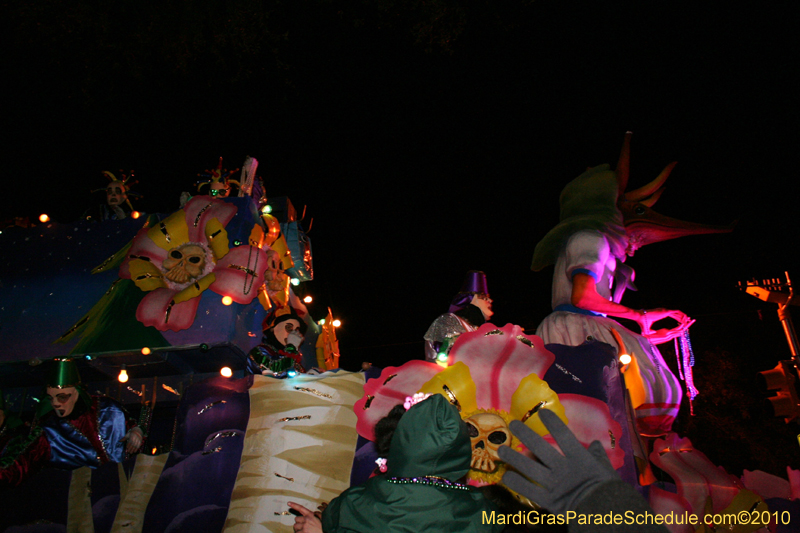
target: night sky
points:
(430, 138)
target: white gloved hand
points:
(294, 338)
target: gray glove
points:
(561, 481)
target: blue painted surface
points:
(46, 286)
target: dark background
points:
(428, 138)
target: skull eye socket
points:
(639, 210)
(497, 437)
(175, 254)
(472, 431)
(195, 260)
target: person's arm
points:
(306, 521)
(133, 439)
(585, 296)
(15, 470)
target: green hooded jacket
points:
(430, 440)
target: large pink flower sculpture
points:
(704, 489)
(493, 377)
(177, 259)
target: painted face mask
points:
(63, 400)
(116, 193)
(282, 330)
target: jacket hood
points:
(430, 440)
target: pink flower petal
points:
(390, 389)
(231, 280)
(794, 482)
(691, 484)
(152, 311)
(766, 485)
(695, 476)
(200, 209)
(590, 420)
(499, 361)
(142, 246)
(664, 502)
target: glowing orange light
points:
(44, 218)
(227, 300)
(625, 359)
(135, 214)
(154, 451)
(123, 375)
(226, 371)
(336, 323)
(308, 299)
(145, 351)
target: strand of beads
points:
(685, 355)
(434, 481)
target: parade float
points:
(161, 311)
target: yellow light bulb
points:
(226, 371)
(227, 300)
(123, 376)
(625, 359)
(308, 299)
(43, 218)
(336, 323)
(135, 214)
(145, 351)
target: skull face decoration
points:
(186, 263)
(488, 432)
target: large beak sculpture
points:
(642, 224)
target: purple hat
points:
(474, 283)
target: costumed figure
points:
(219, 186)
(278, 353)
(469, 310)
(118, 205)
(10, 425)
(600, 225)
(75, 430)
(421, 489)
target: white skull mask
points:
(185, 263)
(487, 432)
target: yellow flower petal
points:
(531, 395)
(456, 385)
(145, 275)
(195, 289)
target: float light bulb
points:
(295, 282)
(308, 299)
(227, 300)
(145, 351)
(336, 323)
(154, 451)
(226, 371)
(625, 359)
(135, 214)
(266, 210)
(123, 375)
(44, 218)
